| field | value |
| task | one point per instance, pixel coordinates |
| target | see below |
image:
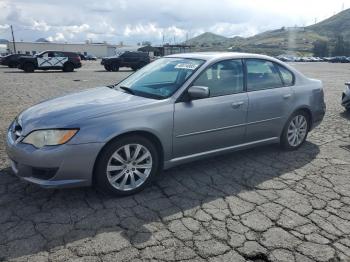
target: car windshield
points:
(161, 78)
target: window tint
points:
(262, 74)
(287, 76)
(222, 78)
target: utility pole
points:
(13, 40)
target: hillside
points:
(295, 40)
(339, 23)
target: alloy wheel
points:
(129, 167)
(297, 130)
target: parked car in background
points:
(339, 59)
(176, 109)
(134, 60)
(11, 60)
(82, 57)
(65, 61)
(91, 57)
(345, 100)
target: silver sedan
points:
(177, 109)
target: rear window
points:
(262, 74)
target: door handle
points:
(287, 96)
(237, 104)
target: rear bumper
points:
(77, 65)
(53, 166)
(318, 116)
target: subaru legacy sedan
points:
(176, 109)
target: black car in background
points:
(134, 60)
(11, 60)
(65, 61)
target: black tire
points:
(107, 67)
(284, 136)
(100, 172)
(68, 67)
(29, 67)
(134, 68)
(115, 67)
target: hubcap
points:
(297, 130)
(129, 167)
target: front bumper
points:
(53, 166)
(345, 101)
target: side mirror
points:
(198, 92)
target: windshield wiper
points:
(127, 89)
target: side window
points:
(287, 76)
(51, 54)
(45, 55)
(223, 78)
(262, 74)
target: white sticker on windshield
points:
(186, 66)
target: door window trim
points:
(183, 96)
(275, 65)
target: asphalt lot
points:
(262, 204)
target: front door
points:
(217, 121)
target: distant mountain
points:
(331, 27)
(42, 40)
(3, 41)
(293, 40)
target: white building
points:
(99, 50)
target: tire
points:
(29, 67)
(133, 68)
(68, 67)
(112, 181)
(107, 67)
(114, 67)
(295, 131)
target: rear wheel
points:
(107, 67)
(68, 67)
(296, 130)
(28, 68)
(127, 165)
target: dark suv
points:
(135, 60)
(11, 60)
(66, 61)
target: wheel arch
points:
(146, 134)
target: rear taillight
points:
(78, 58)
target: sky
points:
(157, 21)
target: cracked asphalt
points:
(262, 204)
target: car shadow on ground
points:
(34, 219)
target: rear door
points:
(270, 100)
(215, 122)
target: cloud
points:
(136, 21)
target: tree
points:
(320, 48)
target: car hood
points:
(70, 110)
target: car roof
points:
(220, 55)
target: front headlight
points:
(49, 137)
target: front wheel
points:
(127, 166)
(115, 67)
(29, 68)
